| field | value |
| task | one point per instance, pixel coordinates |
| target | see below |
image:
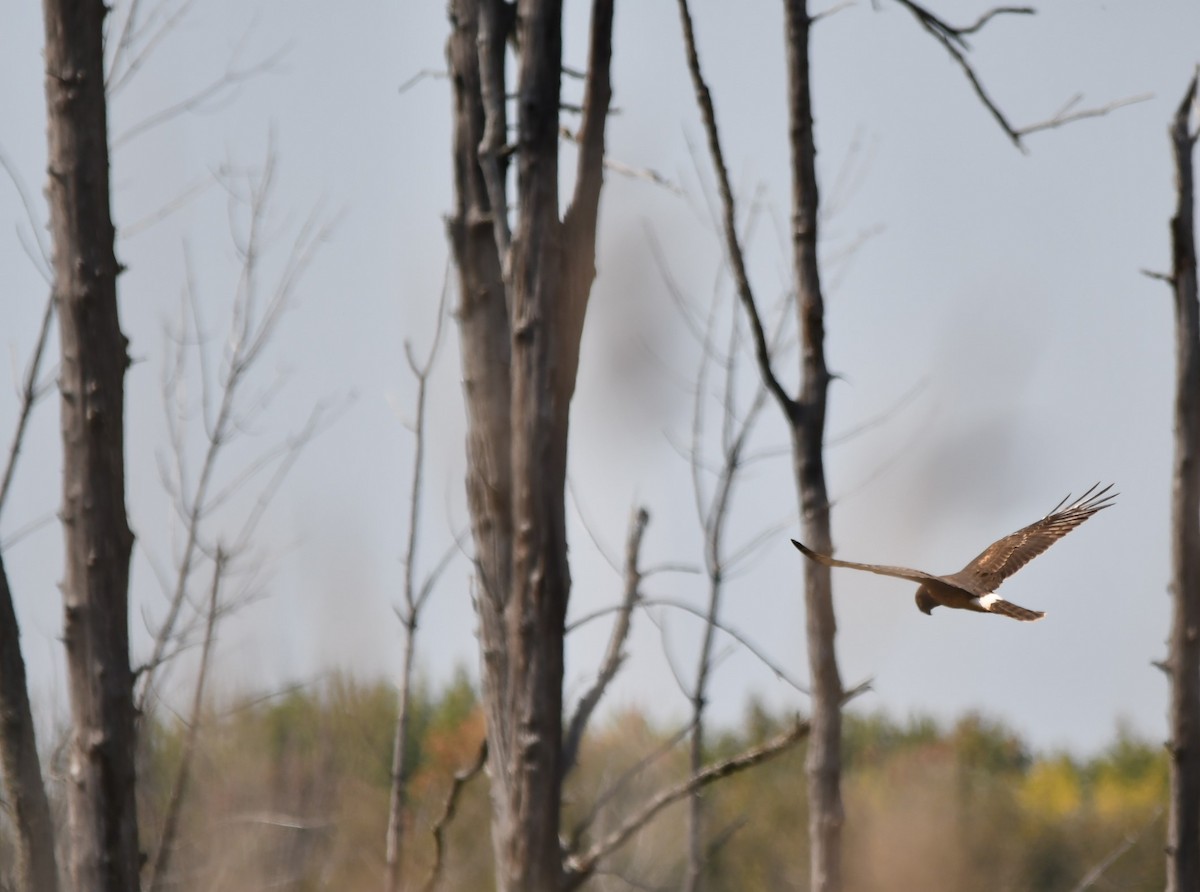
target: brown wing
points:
(880, 569)
(1006, 556)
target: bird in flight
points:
(974, 586)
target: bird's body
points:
(973, 587)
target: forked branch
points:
(953, 39)
(737, 260)
(449, 807)
(614, 656)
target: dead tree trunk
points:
(1183, 834)
(805, 415)
(824, 764)
(523, 301)
(37, 868)
(100, 777)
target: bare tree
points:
(524, 294)
(1183, 662)
(805, 416)
(229, 406)
(713, 510)
(805, 413)
(102, 808)
(415, 594)
(183, 777)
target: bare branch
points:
(729, 213)
(615, 654)
(779, 672)
(580, 867)
(1094, 875)
(144, 33)
(223, 87)
(992, 13)
(833, 10)
(36, 226)
(1062, 118)
(225, 407)
(627, 170)
(166, 844)
(27, 529)
(614, 789)
(882, 418)
(448, 809)
(29, 398)
(713, 518)
(953, 39)
(169, 207)
(424, 73)
(414, 600)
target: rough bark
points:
(1183, 834)
(520, 320)
(102, 812)
(824, 763)
(36, 868)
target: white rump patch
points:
(987, 601)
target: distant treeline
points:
(291, 792)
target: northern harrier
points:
(973, 587)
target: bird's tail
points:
(1007, 608)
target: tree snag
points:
(102, 810)
(805, 416)
(1183, 662)
(520, 320)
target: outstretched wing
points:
(880, 569)
(1006, 556)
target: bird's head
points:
(925, 601)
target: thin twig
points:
(414, 599)
(431, 73)
(579, 867)
(1060, 119)
(166, 844)
(623, 779)
(228, 82)
(36, 226)
(226, 410)
(626, 170)
(149, 38)
(1093, 876)
(779, 672)
(615, 654)
(449, 807)
(29, 398)
(953, 39)
(178, 202)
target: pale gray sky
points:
(1009, 284)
